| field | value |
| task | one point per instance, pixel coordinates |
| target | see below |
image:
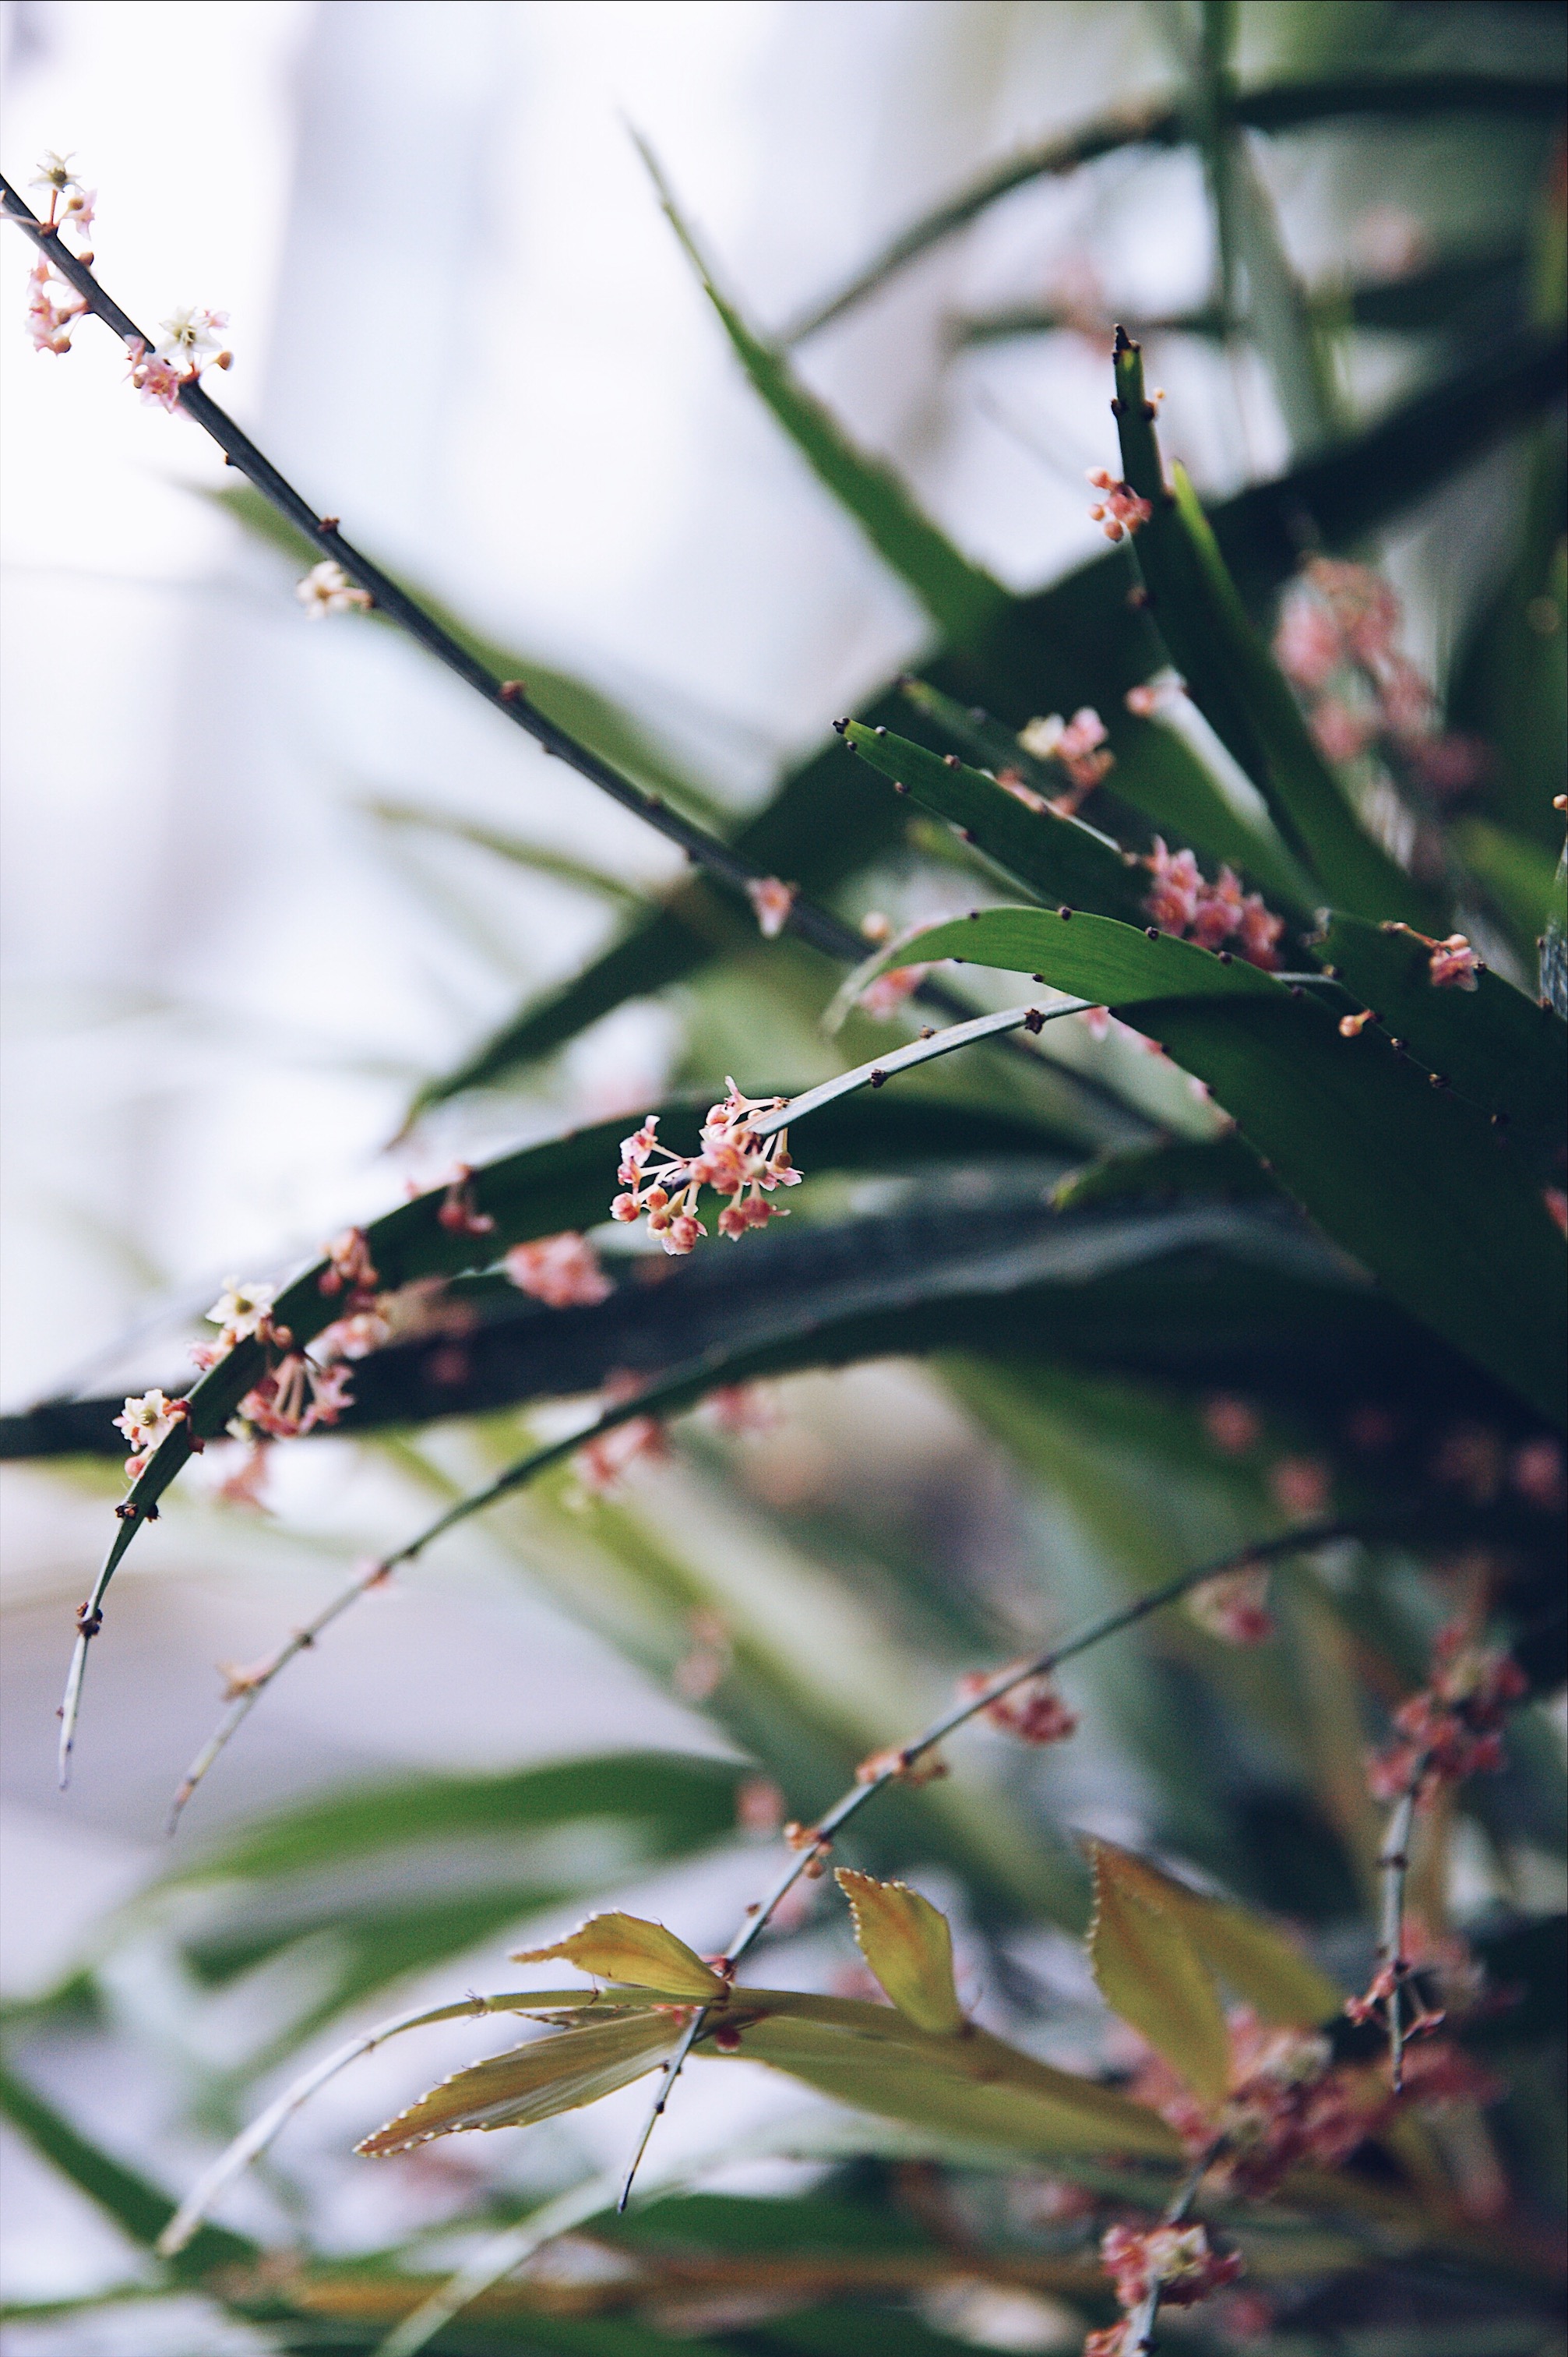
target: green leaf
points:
(509, 847)
(961, 596)
(1399, 1174)
(1035, 2110)
(1504, 1053)
(1235, 683)
(907, 1945)
(1516, 874)
(555, 2073)
(616, 1947)
(1149, 1972)
(1510, 682)
(1256, 1963)
(1554, 943)
(140, 2208)
(1224, 1167)
(1057, 858)
(1275, 106)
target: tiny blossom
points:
(885, 993)
(48, 320)
(146, 1422)
(1176, 2261)
(1012, 782)
(241, 1309)
(1536, 1470)
(349, 1268)
(732, 1160)
(188, 334)
(1232, 1424)
(326, 589)
(1301, 1484)
(742, 1408)
(156, 380)
(458, 1214)
(708, 1663)
(1183, 903)
(758, 1806)
(243, 1486)
(1079, 745)
(1119, 510)
(564, 1271)
(771, 902)
(1032, 1710)
(601, 1461)
(894, 1761)
(1453, 961)
(1234, 1607)
(295, 1397)
(1450, 1729)
(1339, 733)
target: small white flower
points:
(326, 589)
(1041, 737)
(54, 172)
(187, 335)
(241, 1309)
(146, 1422)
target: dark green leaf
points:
(1504, 1053)
(1397, 1172)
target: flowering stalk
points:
(811, 1846)
(355, 578)
(807, 1851)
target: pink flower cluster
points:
(1450, 1728)
(51, 315)
(732, 1160)
(1337, 640)
(771, 902)
(1183, 903)
(1079, 745)
(458, 1214)
(564, 1271)
(1176, 2267)
(1033, 1711)
(1119, 510)
(191, 341)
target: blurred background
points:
(243, 923)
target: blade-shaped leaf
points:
(1150, 1973)
(557, 2073)
(907, 1945)
(1234, 681)
(1048, 2112)
(1504, 1053)
(960, 596)
(138, 2208)
(1257, 1963)
(1396, 1171)
(1157, 773)
(1273, 106)
(615, 1947)
(1060, 859)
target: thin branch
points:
(895, 1765)
(1393, 1865)
(255, 2139)
(246, 1691)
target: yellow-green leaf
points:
(1151, 1973)
(625, 1948)
(1253, 1960)
(553, 2074)
(1052, 2113)
(907, 1945)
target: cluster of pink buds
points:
(190, 341)
(1235, 1607)
(1031, 1711)
(1450, 1728)
(146, 1422)
(600, 1462)
(1079, 745)
(1119, 510)
(1175, 2266)
(1452, 963)
(1183, 903)
(1337, 640)
(296, 1395)
(563, 1271)
(732, 1160)
(458, 1214)
(53, 304)
(771, 902)
(350, 1270)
